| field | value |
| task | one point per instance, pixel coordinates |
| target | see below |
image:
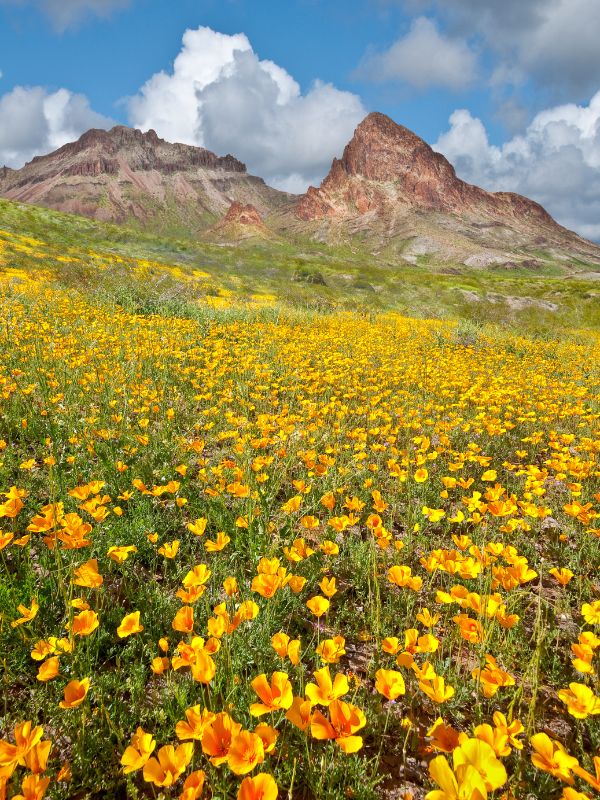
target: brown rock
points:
(386, 165)
(243, 215)
(391, 188)
(125, 174)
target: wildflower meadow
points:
(254, 552)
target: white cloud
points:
(423, 58)
(553, 42)
(34, 121)
(556, 161)
(67, 13)
(220, 95)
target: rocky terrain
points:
(124, 175)
(390, 194)
(392, 189)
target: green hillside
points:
(103, 259)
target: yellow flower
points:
(328, 587)
(344, 720)
(479, 755)
(299, 713)
(489, 475)
(197, 576)
(218, 736)
(580, 700)
(130, 624)
(266, 585)
(204, 668)
(296, 583)
(436, 689)
(331, 650)
(389, 683)
(121, 553)
(492, 677)
(184, 620)
(466, 786)
(33, 787)
(230, 586)
(193, 785)
(275, 696)
(5, 539)
(75, 693)
(550, 756)
(27, 614)
(591, 612)
(324, 691)
(268, 735)
(318, 605)
(220, 542)
(401, 575)
(138, 752)
(330, 548)
(159, 665)
(391, 645)
(48, 670)
(444, 737)
(87, 575)
(169, 550)
(194, 724)
(85, 623)
(260, 787)
(198, 526)
(470, 629)
(170, 764)
(426, 618)
(563, 575)
(246, 752)
(309, 522)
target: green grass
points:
(349, 277)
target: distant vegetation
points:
(551, 295)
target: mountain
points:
(390, 188)
(126, 176)
(389, 195)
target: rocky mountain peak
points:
(382, 150)
(97, 151)
(386, 168)
(125, 173)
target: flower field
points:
(256, 555)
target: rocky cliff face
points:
(243, 215)
(124, 174)
(390, 188)
(242, 221)
(386, 165)
(389, 193)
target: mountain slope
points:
(391, 187)
(389, 195)
(124, 175)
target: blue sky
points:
(107, 59)
(507, 89)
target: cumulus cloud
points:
(68, 13)
(34, 121)
(556, 161)
(220, 95)
(553, 42)
(424, 58)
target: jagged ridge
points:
(125, 174)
